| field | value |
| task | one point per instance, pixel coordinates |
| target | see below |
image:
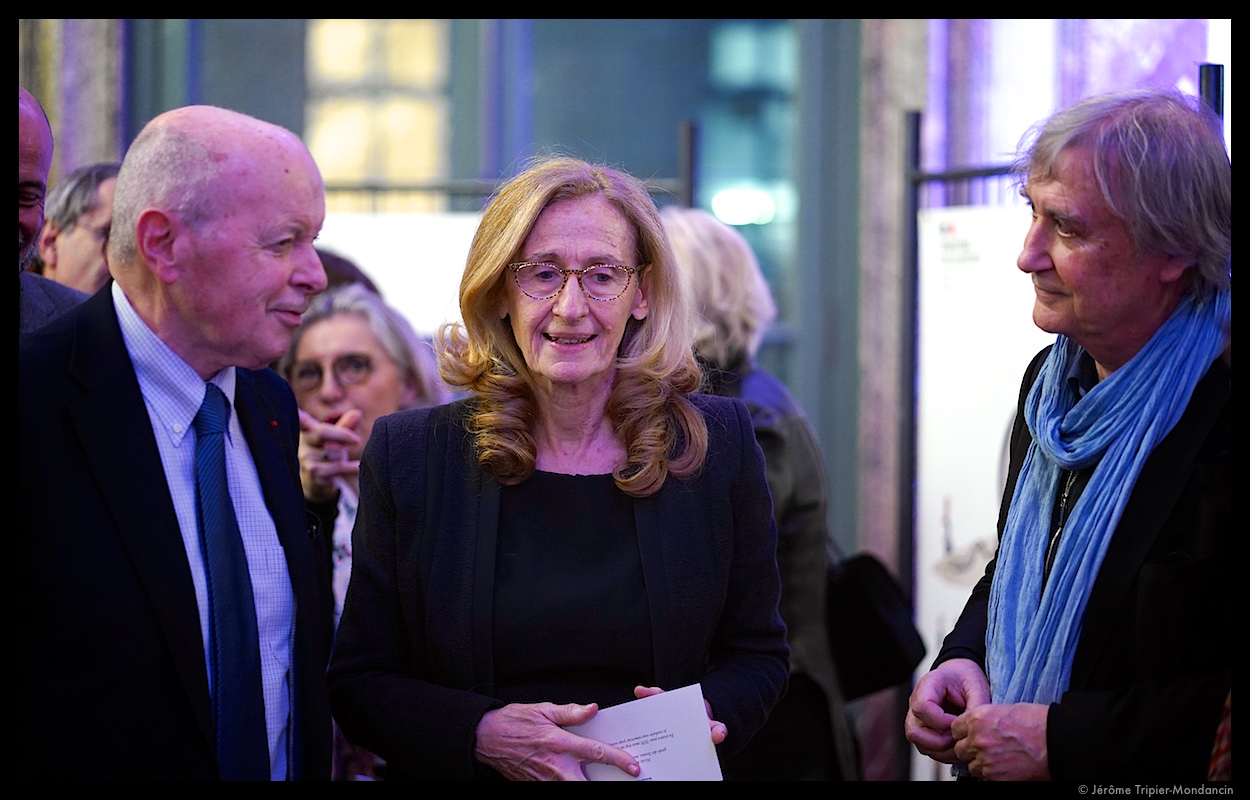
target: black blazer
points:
(41, 300)
(412, 669)
(112, 681)
(1154, 659)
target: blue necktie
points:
(237, 698)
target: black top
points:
(415, 661)
(571, 620)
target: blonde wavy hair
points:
(663, 432)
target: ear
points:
(156, 235)
(640, 309)
(47, 243)
(1173, 268)
(409, 396)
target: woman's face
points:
(346, 339)
(570, 341)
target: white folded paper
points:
(667, 733)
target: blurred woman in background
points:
(809, 735)
(352, 360)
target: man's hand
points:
(1004, 742)
(950, 689)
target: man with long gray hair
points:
(1098, 646)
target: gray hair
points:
(164, 168)
(1161, 166)
(75, 194)
(412, 355)
(726, 283)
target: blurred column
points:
(894, 63)
(74, 67)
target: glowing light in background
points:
(744, 206)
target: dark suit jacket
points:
(112, 680)
(40, 300)
(1154, 659)
(412, 669)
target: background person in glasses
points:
(353, 360)
(580, 531)
(76, 228)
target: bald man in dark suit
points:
(211, 270)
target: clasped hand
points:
(950, 718)
(325, 453)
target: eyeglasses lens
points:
(349, 370)
(602, 282)
(352, 369)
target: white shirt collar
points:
(172, 387)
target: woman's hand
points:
(718, 729)
(324, 453)
(525, 742)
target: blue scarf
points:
(1033, 629)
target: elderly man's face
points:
(34, 159)
(247, 275)
(1091, 284)
(74, 256)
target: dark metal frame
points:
(682, 187)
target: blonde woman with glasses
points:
(582, 530)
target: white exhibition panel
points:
(415, 260)
(975, 336)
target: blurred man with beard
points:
(39, 300)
